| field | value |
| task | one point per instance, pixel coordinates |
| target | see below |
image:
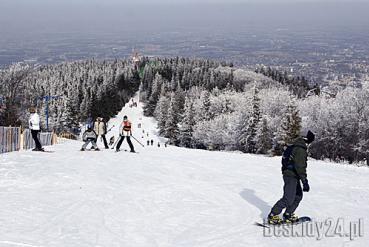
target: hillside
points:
(163, 196)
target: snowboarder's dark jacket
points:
(298, 159)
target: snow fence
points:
(12, 139)
(46, 139)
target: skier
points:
(89, 136)
(100, 130)
(125, 131)
(89, 121)
(293, 173)
(152, 142)
(34, 126)
(148, 142)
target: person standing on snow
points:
(34, 126)
(293, 172)
(89, 122)
(100, 130)
(89, 136)
(125, 131)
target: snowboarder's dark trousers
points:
(34, 134)
(292, 196)
(129, 143)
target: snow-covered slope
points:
(163, 197)
(146, 131)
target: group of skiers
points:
(133, 104)
(99, 128)
(294, 163)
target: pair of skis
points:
(132, 137)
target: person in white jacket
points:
(101, 130)
(34, 126)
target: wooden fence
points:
(10, 139)
(13, 139)
(46, 139)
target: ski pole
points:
(116, 142)
(110, 129)
(137, 141)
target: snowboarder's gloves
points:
(305, 185)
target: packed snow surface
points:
(164, 196)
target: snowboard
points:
(301, 220)
(91, 150)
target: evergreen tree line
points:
(198, 104)
(81, 89)
(250, 112)
(298, 85)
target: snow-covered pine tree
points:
(250, 145)
(204, 113)
(243, 130)
(290, 128)
(154, 97)
(292, 122)
(263, 138)
(187, 124)
(171, 124)
(180, 98)
(161, 110)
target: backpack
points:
(286, 156)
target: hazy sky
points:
(119, 15)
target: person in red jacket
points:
(125, 132)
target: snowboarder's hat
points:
(125, 117)
(310, 137)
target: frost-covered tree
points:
(154, 96)
(161, 111)
(187, 124)
(264, 137)
(253, 123)
(203, 109)
(171, 124)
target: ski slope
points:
(163, 196)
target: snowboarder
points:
(125, 132)
(89, 136)
(100, 130)
(158, 144)
(34, 126)
(152, 142)
(294, 171)
(148, 142)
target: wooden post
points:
(21, 141)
